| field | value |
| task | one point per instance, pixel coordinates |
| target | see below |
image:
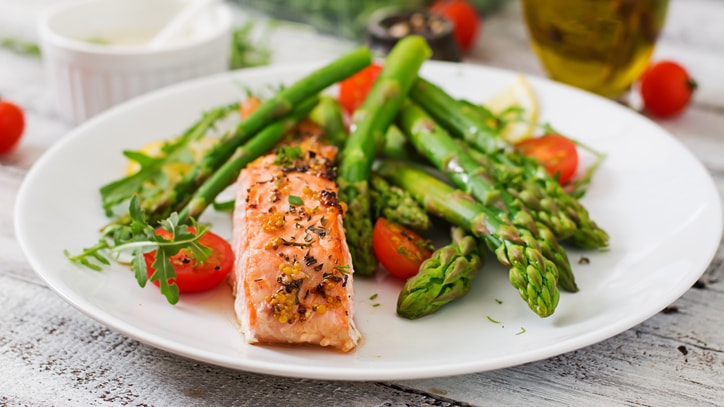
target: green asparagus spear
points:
(396, 205)
(228, 173)
(452, 159)
(446, 276)
(123, 189)
(530, 272)
(370, 122)
(552, 250)
(329, 116)
(397, 147)
(522, 176)
(271, 110)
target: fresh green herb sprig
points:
(139, 238)
(118, 191)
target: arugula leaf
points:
(139, 238)
(164, 273)
(139, 267)
(120, 190)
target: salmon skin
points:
(293, 269)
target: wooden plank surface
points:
(51, 354)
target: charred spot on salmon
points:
(328, 198)
(318, 267)
(309, 260)
(328, 173)
(302, 311)
(296, 168)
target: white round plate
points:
(655, 199)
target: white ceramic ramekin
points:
(94, 53)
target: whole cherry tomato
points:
(556, 153)
(666, 89)
(465, 20)
(12, 124)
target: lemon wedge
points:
(518, 94)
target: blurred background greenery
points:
(343, 18)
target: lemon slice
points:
(173, 170)
(152, 149)
(517, 94)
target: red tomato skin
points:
(465, 19)
(666, 89)
(189, 277)
(397, 248)
(557, 153)
(12, 125)
(354, 90)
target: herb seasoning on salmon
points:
(293, 270)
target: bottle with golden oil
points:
(599, 45)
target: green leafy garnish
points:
(151, 180)
(295, 200)
(139, 238)
(286, 155)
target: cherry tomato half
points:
(465, 20)
(354, 90)
(12, 124)
(398, 249)
(558, 154)
(192, 277)
(666, 89)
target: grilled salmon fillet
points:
(293, 270)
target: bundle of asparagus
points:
(523, 177)
(370, 123)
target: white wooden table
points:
(51, 354)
